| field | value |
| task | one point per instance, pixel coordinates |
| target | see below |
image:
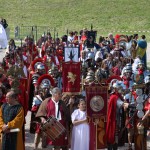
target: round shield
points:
(139, 92)
(140, 113)
(139, 106)
(139, 99)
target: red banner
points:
(97, 97)
(71, 77)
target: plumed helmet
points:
(45, 81)
(35, 63)
(147, 79)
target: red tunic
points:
(62, 141)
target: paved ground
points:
(30, 137)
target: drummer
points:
(54, 106)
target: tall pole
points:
(67, 38)
(91, 27)
(54, 33)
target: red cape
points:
(111, 119)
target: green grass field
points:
(105, 15)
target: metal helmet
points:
(90, 56)
(40, 66)
(127, 69)
(90, 76)
(116, 84)
(35, 78)
(129, 65)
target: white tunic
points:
(3, 37)
(80, 133)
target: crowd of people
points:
(31, 80)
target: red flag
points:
(96, 97)
(71, 77)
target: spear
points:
(91, 27)
(67, 37)
(54, 33)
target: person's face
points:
(41, 71)
(10, 79)
(105, 66)
(48, 53)
(140, 66)
(120, 90)
(128, 74)
(9, 99)
(57, 96)
(119, 64)
(109, 57)
(82, 106)
(111, 36)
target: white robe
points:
(80, 133)
(3, 37)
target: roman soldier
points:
(115, 104)
(37, 68)
(127, 77)
(45, 83)
(139, 74)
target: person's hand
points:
(5, 128)
(71, 100)
(43, 120)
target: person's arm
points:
(78, 122)
(42, 111)
(146, 115)
(18, 121)
(1, 120)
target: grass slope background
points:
(105, 15)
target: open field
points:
(121, 16)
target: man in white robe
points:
(3, 37)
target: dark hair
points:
(134, 36)
(81, 100)
(143, 36)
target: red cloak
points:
(111, 119)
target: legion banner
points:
(97, 97)
(71, 77)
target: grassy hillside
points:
(105, 15)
